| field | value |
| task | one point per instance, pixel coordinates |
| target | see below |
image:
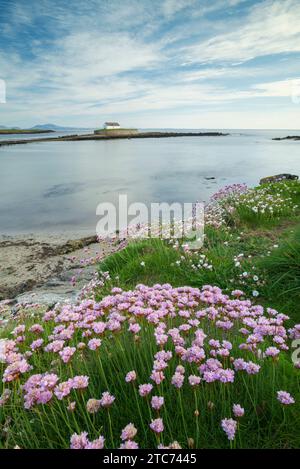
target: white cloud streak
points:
(272, 27)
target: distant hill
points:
(54, 127)
(5, 127)
(57, 128)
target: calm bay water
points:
(56, 186)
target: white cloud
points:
(281, 88)
(98, 55)
(80, 65)
(171, 7)
(272, 27)
(220, 72)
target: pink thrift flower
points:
(99, 327)
(92, 406)
(239, 364)
(19, 330)
(238, 411)
(55, 346)
(229, 426)
(237, 293)
(13, 371)
(79, 441)
(96, 444)
(159, 365)
(36, 328)
(180, 369)
(272, 352)
(157, 376)
(71, 407)
(93, 344)
(177, 380)
(49, 380)
(145, 389)
(134, 328)
(67, 353)
(194, 380)
(285, 398)
(36, 344)
(131, 376)
(129, 432)
(44, 396)
(63, 389)
(225, 376)
(252, 368)
(157, 402)
(129, 444)
(81, 346)
(157, 425)
(20, 339)
(106, 399)
(80, 382)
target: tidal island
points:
(113, 131)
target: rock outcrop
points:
(278, 178)
(289, 137)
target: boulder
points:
(278, 178)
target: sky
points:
(151, 63)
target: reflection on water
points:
(56, 186)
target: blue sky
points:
(158, 63)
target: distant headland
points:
(24, 131)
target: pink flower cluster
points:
(129, 432)
(81, 441)
(230, 191)
(157, 402)
(40, 388)
(15, 369)
(285, 398)
(157, 426)
(130, 377)
(106, 399)
(202, 336)
(229, 426)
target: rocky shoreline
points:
(289, 137)
(74, 138)
(47, 269)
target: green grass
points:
(282, 271)
(160, 265)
